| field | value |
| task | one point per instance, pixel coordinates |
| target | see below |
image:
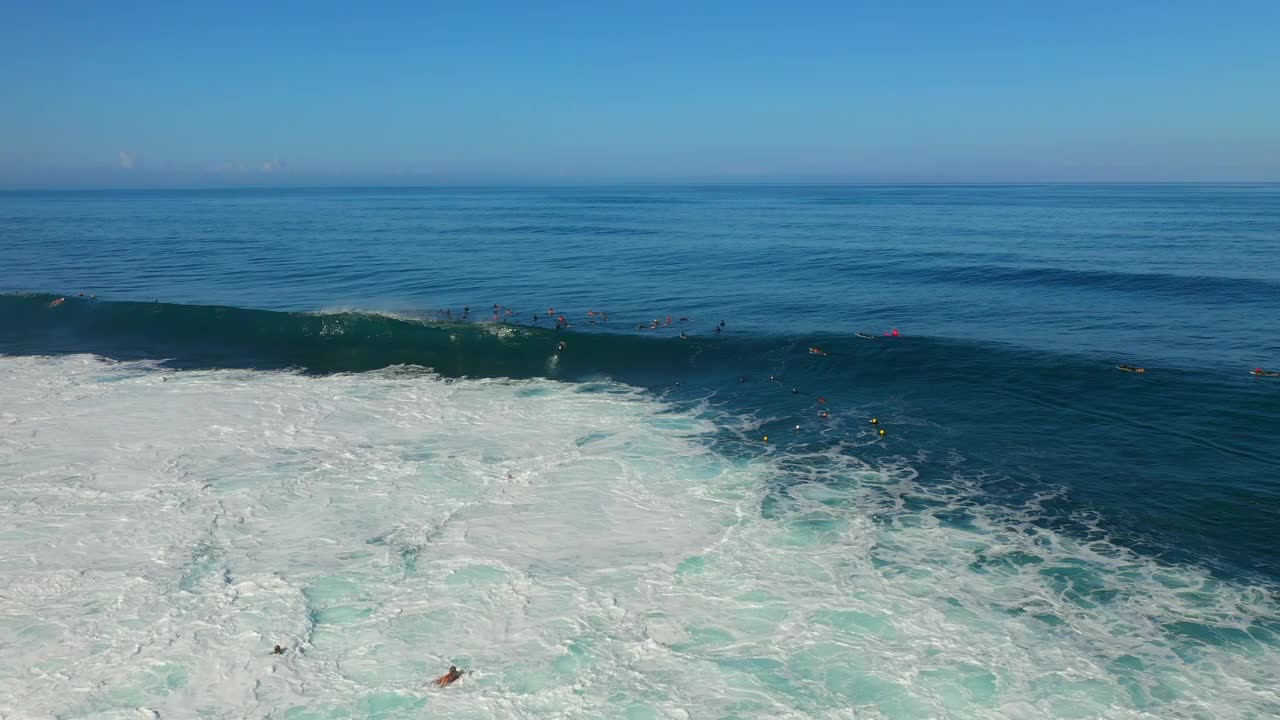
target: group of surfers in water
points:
(503, 314)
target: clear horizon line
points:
(622, 183)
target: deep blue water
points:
(1015, 305)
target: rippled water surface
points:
(272, 425)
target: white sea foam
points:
(578, 546)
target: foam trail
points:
(576, 544)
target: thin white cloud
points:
(129, 160)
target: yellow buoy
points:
(881, 432)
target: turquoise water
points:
(1036, 535)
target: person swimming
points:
(1130, 368)
(450, 677)
(717, 329)
(683, 335)
(560, 346)
(278, 651)
(815, 350)
(57, 302)
(893, 333)
(1264, 373)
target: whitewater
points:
(584, 549)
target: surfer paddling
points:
(1130, 368)
(450, 677)
(1264, 373)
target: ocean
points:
(328, 419)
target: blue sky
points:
(140, 93)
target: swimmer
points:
(278, 651)
(815, 350)
(742, 378)
(560, 346)
(824, 414)
(1264, 373)
(822, 400)
(892, 334)
(683, 335)
(865, 336)
(1130, 368)
(449, 677)
(57, 302)
(717, 329)
(795, 391)
(592, 313)
(684, 319)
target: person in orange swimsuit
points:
(449, 677)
